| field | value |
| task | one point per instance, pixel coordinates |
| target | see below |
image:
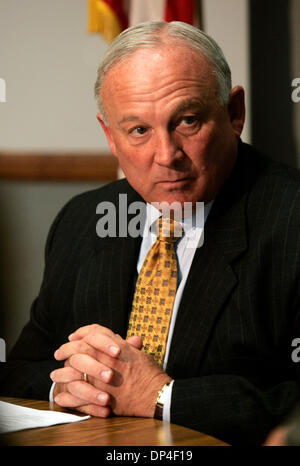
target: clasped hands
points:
(122, 379)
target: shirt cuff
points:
(51, 392)
(166, 400)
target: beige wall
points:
(49, 63)
(227, 22)
(26, 213)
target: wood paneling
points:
(58, 166)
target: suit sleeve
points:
(232, 408)
(26, 372)
(242, 410)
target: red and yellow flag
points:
(110, 17)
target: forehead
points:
(151, 74)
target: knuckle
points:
(81, 346)
(75, 388)
(71, 386)
(101, 411)
(94, 329)
(74, 360)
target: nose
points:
(168, 150)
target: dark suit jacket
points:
(232, 344)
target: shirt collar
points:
(190, 223)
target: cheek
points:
(135, 159)
(200, 149)
(211, 144)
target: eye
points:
(188, 124)
(138, 131)
(188, 120)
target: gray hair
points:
(151, 34)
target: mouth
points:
(177, 182)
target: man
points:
(174, 123)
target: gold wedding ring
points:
(85, 377)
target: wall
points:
(49, 63)
(227, 22)
(26, 213)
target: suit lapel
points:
(209, 284)
(211, 279)
(105, 283)
(120, 268)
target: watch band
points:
(159, 405)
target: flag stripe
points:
(180, 10)
(117, 7)
(106, 17)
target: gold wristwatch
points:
(160, 401)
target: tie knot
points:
(169, 230)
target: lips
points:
(179, 180)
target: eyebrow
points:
(129, 118)
(188, 104)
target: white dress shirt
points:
(186, 247)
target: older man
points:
(221, 362)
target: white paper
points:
(14, 418)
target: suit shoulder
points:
(108, 192)
(271, 169)
(77, 219)
(84, 205)
(274, 198)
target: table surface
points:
(112, 431)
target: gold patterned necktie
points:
(155, 291)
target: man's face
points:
(172, 137)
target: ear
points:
(236, 109)
(108, 134)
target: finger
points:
(107, 344)
(88, 394)
(65, 375)
(66, 350)
(94, 410)
(67, 400)
(84, 363)
(80, 332)
(135, 341)
(86, 329)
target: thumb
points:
(135, 341)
